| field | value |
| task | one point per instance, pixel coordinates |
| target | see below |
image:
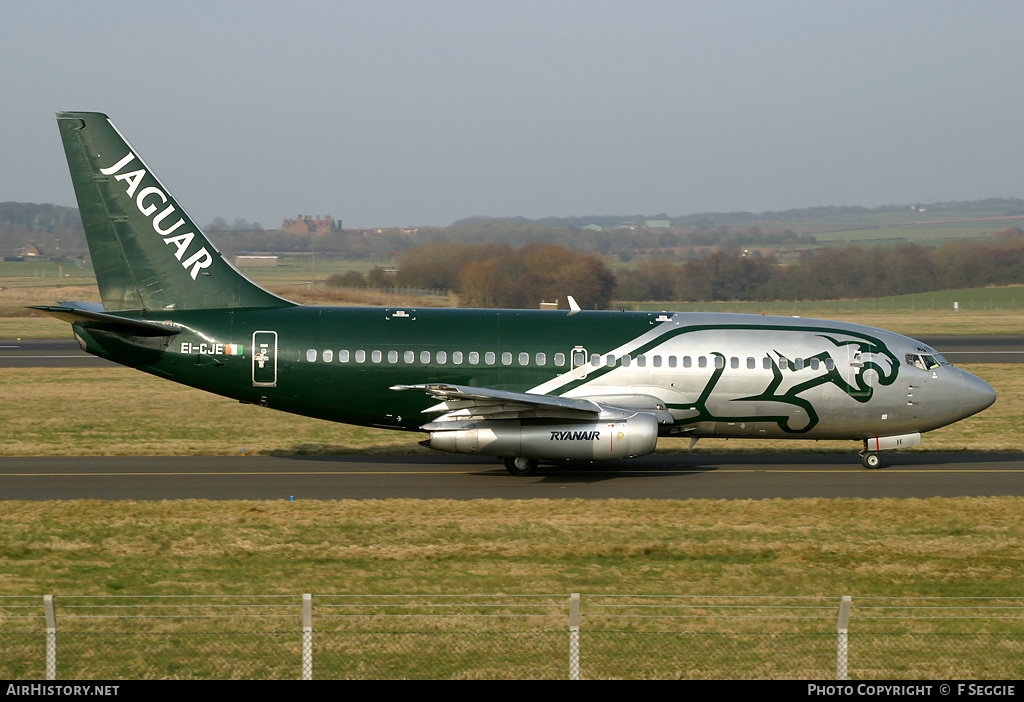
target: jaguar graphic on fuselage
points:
(522, 385)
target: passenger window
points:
(641, 361)
(457, 358)
(375, 356)
(541, 359)
(783, 362)
(657, 361)
(609, 360)
(595, 359)
(829, 364)
(392, 356)
(360, 356)
(424, 357)
(442, 357)
(702, 362)
(410, 356)
(814, 363)
(489, 358)
(343, 356)
(719, 361)
(798, 364)
(474, 357)
(506, 358)
(671, 361)
(734, 362)
(559, 359)
(524, 358)
(766, 363)
(751, 363)
(687, 362)
(328, 356)
(311, 355)
(625, 360)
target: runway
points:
(65, 353)
(691, 476)
(47, 353)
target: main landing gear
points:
(521, 466)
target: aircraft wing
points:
(462, 402)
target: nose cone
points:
(978, 394)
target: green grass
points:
(935, 547)
(1009, 297)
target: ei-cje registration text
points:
(913, 690)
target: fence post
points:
(307, 636)
(51, 637)
(843, 644)
(574, 636)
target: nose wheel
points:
(871, 459)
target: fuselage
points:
(717, 374)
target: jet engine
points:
(551, 440)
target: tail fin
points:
(147, 253)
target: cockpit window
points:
(925, 361)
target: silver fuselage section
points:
(727, 375)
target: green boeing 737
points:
(521, 385)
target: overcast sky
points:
(422, 112)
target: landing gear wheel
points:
(521, 466)
(871, 459)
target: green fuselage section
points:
(357, 392)
(718, 374)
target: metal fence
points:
(510, 637)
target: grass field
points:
(964, 301)
(490, 552)
(963, 546)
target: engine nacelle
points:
(553, 440)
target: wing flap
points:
(464, 402)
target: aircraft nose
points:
(977, 393)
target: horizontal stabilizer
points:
(104, 320)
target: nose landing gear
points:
(871, 459)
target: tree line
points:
(829, 273)
(498, 275)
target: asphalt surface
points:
(47, 353)
(691, 476)
(65, 353)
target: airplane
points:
(521, 385)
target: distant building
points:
(255, 261)
(305, 224)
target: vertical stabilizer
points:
(146, 251)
